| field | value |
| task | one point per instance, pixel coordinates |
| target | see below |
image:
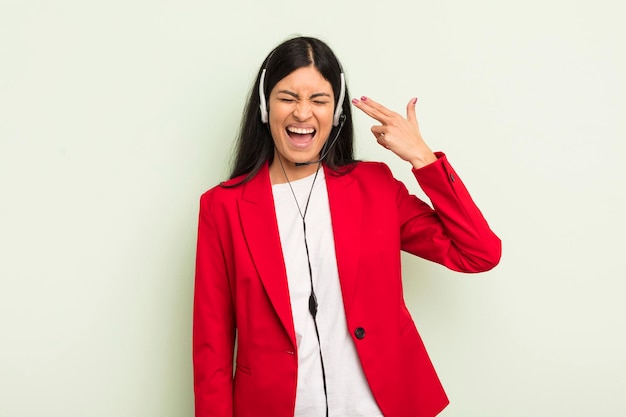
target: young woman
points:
(298, 305)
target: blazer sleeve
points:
(213, 321)
(454, 232)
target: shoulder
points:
(233, 182)
(256, 189)
(362, 169)
(369, 178)
(222, 193)
(374, 168)
(371, 171)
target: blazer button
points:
(452, 178)
(359, 333)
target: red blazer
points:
(241, 287)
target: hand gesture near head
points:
(398, 134)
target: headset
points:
(338, 109)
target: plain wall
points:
(115, 116)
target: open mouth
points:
(301, 136)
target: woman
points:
(298, 260)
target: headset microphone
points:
(342, 121)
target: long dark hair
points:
(255, 146)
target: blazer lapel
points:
(258, 220)
(345, 209)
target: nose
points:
(302, 110)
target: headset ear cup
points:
(342, 95)
(263, 102)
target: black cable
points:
(312, 297)
(313, 309)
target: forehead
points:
(305, 79)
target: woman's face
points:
(301, 108)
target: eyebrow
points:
(295, 95)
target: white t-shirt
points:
(349, 394)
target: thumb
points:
(410, 111)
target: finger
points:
(370, 111)
(382, 140)
(378, 130)
(410, 111)
(379, 113)
(378, 107)
(379, 134)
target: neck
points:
(293, 172)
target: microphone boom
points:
(325, 153)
